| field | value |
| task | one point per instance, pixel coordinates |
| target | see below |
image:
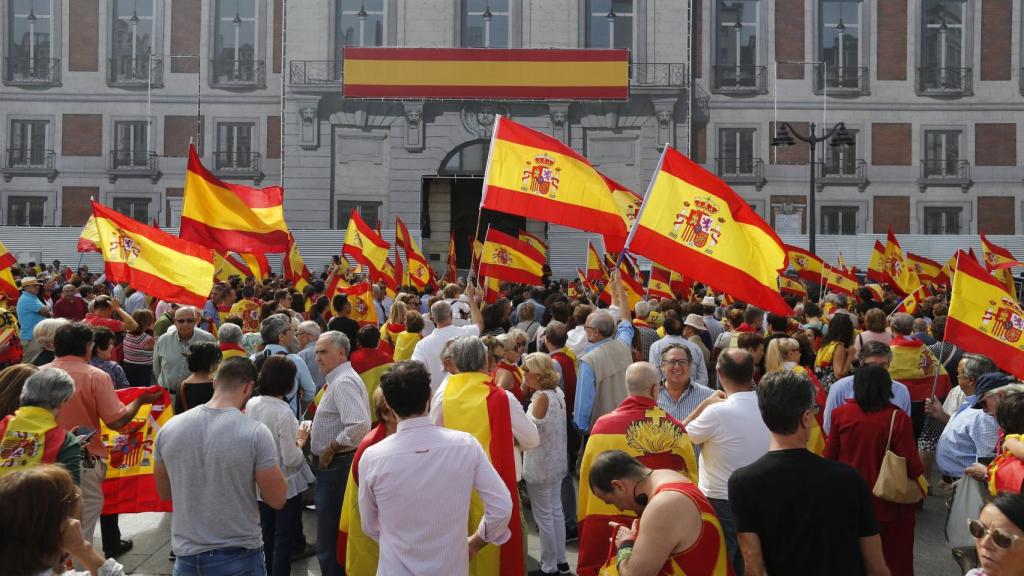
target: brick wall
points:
(891, 145)
(892, 211)
(996, 215)
(74, 203)
(789, 38)
(892, 40)
(177, 131)
(995, 144)
(700, 144)
(83, 36)
(996, 39)
(795, 154)
(273, 137)
(82, 135)
(186, 17)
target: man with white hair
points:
(33, 426)
(278, 337)
(601, 382)
(170, 355)
(641, 324)
(428, 350)
(230, 338)
(306, 335)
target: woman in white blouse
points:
(276, 379)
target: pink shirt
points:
(94, 399)
(868, 336)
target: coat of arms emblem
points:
(1003, 320)
(541, 176)
(125, 248)
(502, 256)
(697, 224)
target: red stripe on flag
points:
(268, 197)
(509, 274)
(256, 242)
(514, 202)
(487, 54)
(495, 236)
(971, 339)
(494, 92)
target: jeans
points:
(279, 534)
(728, 523)
(222, 562)
(569, 501)
(546, 502)
(330, 492)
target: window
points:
(368, 211)
(942, 220)
(30, 49)
(839, 220)
(736, 63)
(840, 35)
(941, 153)
(25, 210)
(131, 144)
(841, 160)
(234, 145)
(28, 144)
(137, 208)
(485, 23)
(736, 151)
(132, 40)
(236, 48)
(610, 24)
(942, 45)
(358, 23)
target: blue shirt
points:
(842, 390)
(691, 398)
(698, 369)
(970, 434)
(586, 381)
(303, 379)
(28, 314)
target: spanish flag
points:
(681, 285)
(452, 272)
(89, 238)
(473, 404)
(419, 272)
(226, 265)
(911, 302)
(840, 281)
(949, 269)
(693, 223)
(153, 261)
(6, 258)
(294, 268)
(534, 175)
(595, 269)
(584, 283)
(999, 262)
(356, 551)
(388, 275)
(807, 265)
(877, 293)
(130, 486)
(985, 318)
(371, 364)
(364, 310)
(927, 270)
(227, 216)
(789, 286)
(628, 201)
(535, 241)
(914, 365)
(10, 289)
(659, 283)
(363, 244)
(876, 266)
(258, 265)
(510, 259)
(898, 273)
(633, 288)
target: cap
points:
(29, 281)
(695, 321)
(708, 301)
(989, 382)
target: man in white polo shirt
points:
(428, 350)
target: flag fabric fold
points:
(999, 262)
(535, 241)
(927, 270)
(659, 283)
(417, 269)
(294, 268)
(807, 265)
(595, 269)
(898, 273)
(227, 265)
(507, 258)
(841, 281)
(792, 287)
(876, 266)
(6, 258)
(911, 302)
(89, 238)
(451, 274)
(258, 265)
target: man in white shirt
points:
(428, 350)
(576, 339)
(416, 484)
(732, 434)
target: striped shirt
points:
(343, 414)
(135, 351)
(692, 397)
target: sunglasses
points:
(1000, 537)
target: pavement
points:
(151, 533)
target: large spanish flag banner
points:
(927, 270)
(659, 283)
(227, 216)
(153, 261)
(985, 318)
(533, 175)
(807, 265)
(226, 265)
(692, 222)
(876, 266)
(129, 486)
(792, 287)
(507, 258)
(999, 262)
(294, 268)
(89, 238)
(918, 369)
(473, 404)
(841, 281)
(898, 273)
(489, 74)
(363, 244)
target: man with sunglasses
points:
(170, 355)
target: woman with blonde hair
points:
(545, 466)
(507, 374)
(396, 323)
(43, 333)
(495, 352)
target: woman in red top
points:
(859, 436)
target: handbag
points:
(968, 501)
(892, 484)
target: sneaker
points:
(571, 534)
(304, 552)
(563, 568)
(122, 547)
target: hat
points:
(29, 281)
(695, 321)
(989, 382)
(708, 301)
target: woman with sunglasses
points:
(508, 374)
(999, 537)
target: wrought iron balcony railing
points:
(741, 170)
(30, 162)
(238, 165)
(128, 71)
(134, 164)
(239, 73)
(841, 79)
(33, 71)
(945, 172)
(739, 79)
(314, 72)
(841, 172)
(665, 75)
(944, 81)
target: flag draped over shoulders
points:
(130, 486)
(356, 551)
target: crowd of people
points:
(667, 436)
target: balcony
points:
(945, 172)
(848, 172)
(29, 162)
(745, 171)
(658, 75)
(127, 72)
(739, 79)
(838, 80)
(134, 164)
(33, 71)
(247, 74)
(238, 166)
(314, 74)
(951, 82)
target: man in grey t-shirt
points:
(210, 461)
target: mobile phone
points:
(84, 433)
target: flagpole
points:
(643, 205)
(480, 264)
(483, 192)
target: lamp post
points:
(361, 15)
(487, 17)
(611, 26)
(786, 135)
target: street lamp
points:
(361, 15)
(487, 16)
(786, 135)
(611, 26)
